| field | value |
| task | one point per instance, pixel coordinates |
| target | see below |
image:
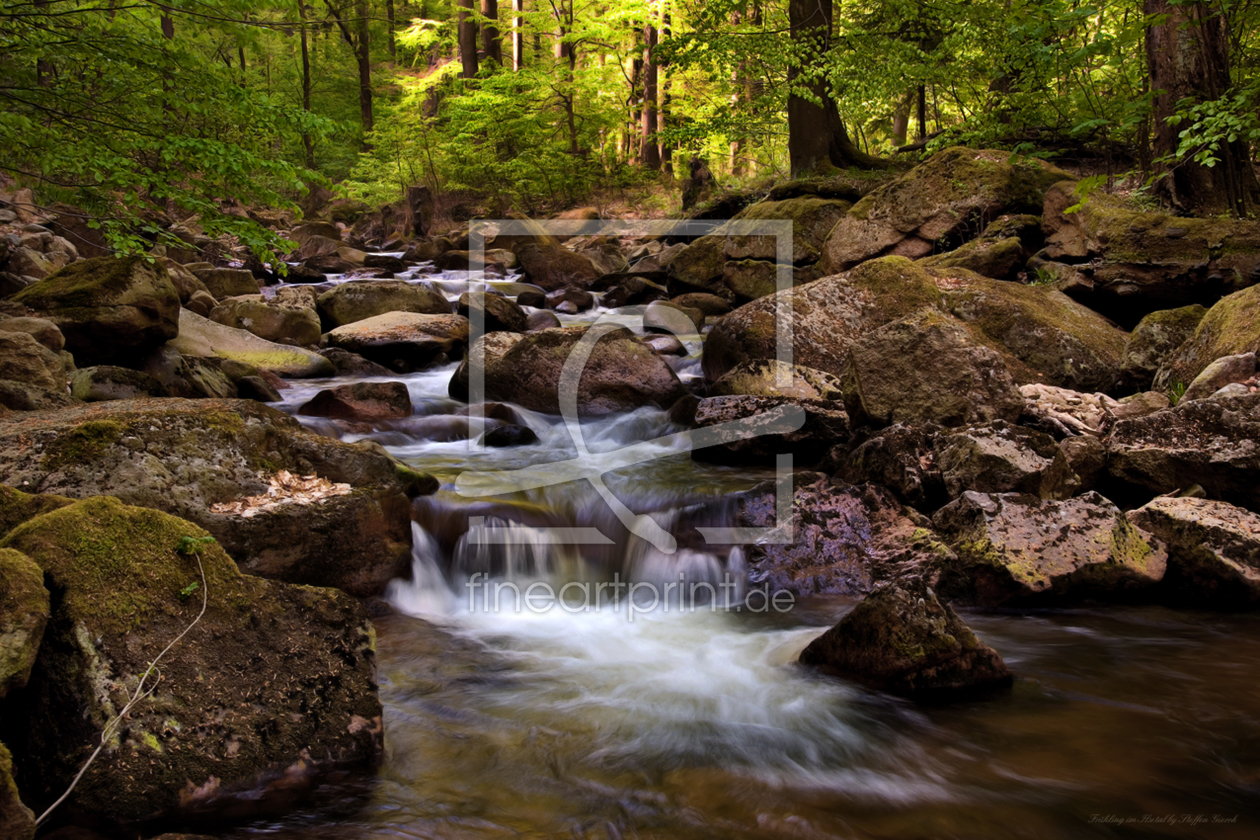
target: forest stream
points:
(592, 719)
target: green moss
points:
(900, 285)
(16, 507)
(273, 360)
(1128, 548)
(83, 443)
(88, 283)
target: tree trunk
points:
(649, 152)
(467, 40)
(490, 39)
(363, 55)
(306, 86)
(1188, 57)
(518, 35)
(922, 114)
(389, 19)
(901, 120)
(816, 135)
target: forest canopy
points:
(129, 109)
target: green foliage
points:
(1176, 391)
(187, 591)
(191, 545)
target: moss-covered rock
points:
(1000, 252)
(108, 308)
(1001, 457)
(269, 321)
(1152, 342)
(903, 640)
(16, 820)
(828, 317)
(938, 205)
(927, 367)
(403, 341)
(1018, 548)
(23, 614)
(1230, 327)
(200, 336)
(24, 359)
(274, 685)
(16, 507)
(186, 456)
(361, 299)
(554, 267)
(1056, 340)
(1138, 261)
(109, 382)
(772, 378)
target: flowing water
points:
(615, 717)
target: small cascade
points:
(427, 593)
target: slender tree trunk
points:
(922, 113)
(901, 119)
(518, 35)
(306, 86)
(816, 135)
(467, 40)
(649, 152)
(490, 39)
(363, 55)
(389, 20)
(1188, 56)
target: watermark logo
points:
(592, 467)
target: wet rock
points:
(1153, 342)
(544, 320)
(403, 340)
(492, 411)
(665, 317)
(1018, 548)
(186, 456)
(17, 822)
(24, 612)
(903, 640)
(352, 364)
(1227, 370)
(107, 382)
(768, 426)
(901, 458)
(274, 686)
(532, 298)
(581, 300)
(1000, 457)
(364, 401)
(384, 261)
(709, 305)
(837, 540)
(228, 282)
(202, 337)
(269, 321)
(358, 300)
(499, 313)
(509, 435)
(1213, 550)
(486, 351)
(108, 307)
(927, 367)
(256, 388)
(25, 360)
(955, 192)
(762, 379)
(1206, 442)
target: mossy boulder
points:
(1056, 340)
(1000, 252)
(403, 341)
(108, 308)
(1153, 342)
(17, 822)
(23, 359)
(938, 205)
(927, 367)
(358, 300)
(200, 336)
(901, 639)
(1017, 548)
(269, 321)
(828, 317)
(16, 507)
(1230, 327)
(186, 456)
(552, 266)
(273, 686)
(23, 615)
(110, 382)
(1211, 443)
(498, 314)
(1137, 261)
(1001, 457)
(1213, 550)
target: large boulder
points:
(1055, 339)
(269, 321)
(1211, 443)
(358, 300)
(1230, 327)
(1003, 458)
(227, 282)
(1227, 370)
(41, 329)
(200, 336)
(23, 359)
(363, 401)
(927, 367)
(1153, 342)
(272, 687)
(403, 340)
(1134, 262)
(23, 615)
(185, 282)
(828, 317)
(215, 462)
(108, 308)
(497, 312)
(938, 205)
(837, 540)
(903, 640)
(1018, 548)
(552, 266)
(621, 373)
(1213, 550)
